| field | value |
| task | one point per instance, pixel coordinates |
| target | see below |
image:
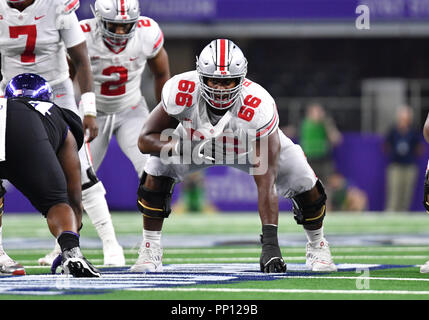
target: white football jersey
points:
(253, 116)
(117, 75)
(35, 39)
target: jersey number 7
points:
(31, 32)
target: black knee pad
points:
(92, 179)
(310, 213)
(158, 202)
(2, 189)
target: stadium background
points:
(300, 51)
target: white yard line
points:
(256, 259)
(360, 278)
(249, 290)
(302, 258)
(423, 249)
(296, 250)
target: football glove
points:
(271, 260)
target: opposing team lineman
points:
(216, 106)
(35, 37)
(40, 158)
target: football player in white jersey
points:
(35, 37)
(215, 106)
(120, 44)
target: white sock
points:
(314, 236)
(151, 238)
(95, 205)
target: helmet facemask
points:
(111, 20)
(17, 4)
(15, 1)
(220, 98)
(221, 61)
(117, 39)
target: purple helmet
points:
(28, 85)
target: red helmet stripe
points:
(122, 7)
(222, 55)
(222, 51)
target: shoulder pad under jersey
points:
(63, 6)
(258, 111)
(70, 6)
(180, 94)
(150, 35)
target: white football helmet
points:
(114, 12)
(221, 59)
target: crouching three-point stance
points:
(221, 118)
(39, 145)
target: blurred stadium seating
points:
(302, 51)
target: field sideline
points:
(215, 257)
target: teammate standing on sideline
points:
(40, 158)
(35, 37)
(222, 118)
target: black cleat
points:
(74, 263)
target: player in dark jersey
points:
(39, 144)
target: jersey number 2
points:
(119, 85)
(31, 32)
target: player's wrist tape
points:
(269, 235)
(87, 101)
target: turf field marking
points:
(253, 259)
(233, 290)
(293, 258)
(362, 278)
(174, 275)
(247, 250)
(294, 250)
(305, 277)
